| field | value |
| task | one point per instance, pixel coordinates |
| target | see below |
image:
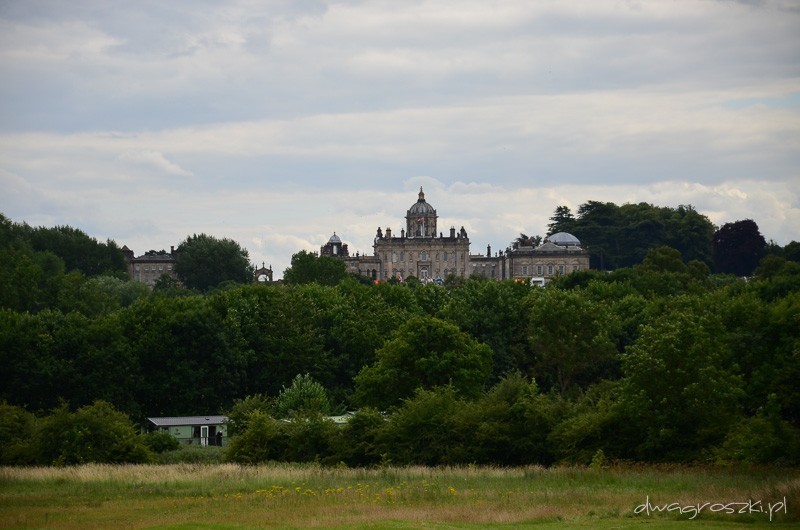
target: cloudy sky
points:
(276, 123)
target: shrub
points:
(361, 438)
(16, 428)
(421, 431)
(261, 441)
(310, 438)
(239, 415)
(160, 441)
(761, 440)
(95, 433)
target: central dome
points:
(421, 207)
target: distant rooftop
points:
(174, 421)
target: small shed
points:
(196, 430)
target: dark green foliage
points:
(303, 397)
(16, 430)
(792, 251)
(595, 422)
(760, 440)
(187, 358)
(561, 221)
(94, 433)
(307, 267)
(310, 438)
(509, 425)
(78, 251)
(362, 440)
(677, 389)
(657, 361)
(738, 247)
(620, 236)
(570, 338)
(261, 441)
(205, 262)
(242, 410)
(493, 313)
(423, 430)
(424, 353)
(160, 441)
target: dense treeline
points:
(660, 361)
(620, 236)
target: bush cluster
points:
(94, 433)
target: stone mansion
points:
(422, 251)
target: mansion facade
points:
(150, 266)
(420, 251)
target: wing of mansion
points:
(422, 251)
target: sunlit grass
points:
(303, 496)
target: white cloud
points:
(155, 160)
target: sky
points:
(277, 123)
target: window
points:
(423, 256)
(524, 270)
(445, 256)
(550, 269)
(394, 257)
(561, 269)
(538, 270)
(402, 256)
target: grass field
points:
(226, 496)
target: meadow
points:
(228, 496)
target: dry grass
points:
(305, 496)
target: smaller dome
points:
(564, 239)
(334, 239)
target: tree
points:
(205, 262)
(562, 221)
(570, 337)
(738, 247)
(493, 313)
(303, 396)
(425, 352)
(678, 391)
(792, 251)
(619, 236)
(307, 267)
(78, 250)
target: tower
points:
(421, 218)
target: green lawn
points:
(225, 496)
